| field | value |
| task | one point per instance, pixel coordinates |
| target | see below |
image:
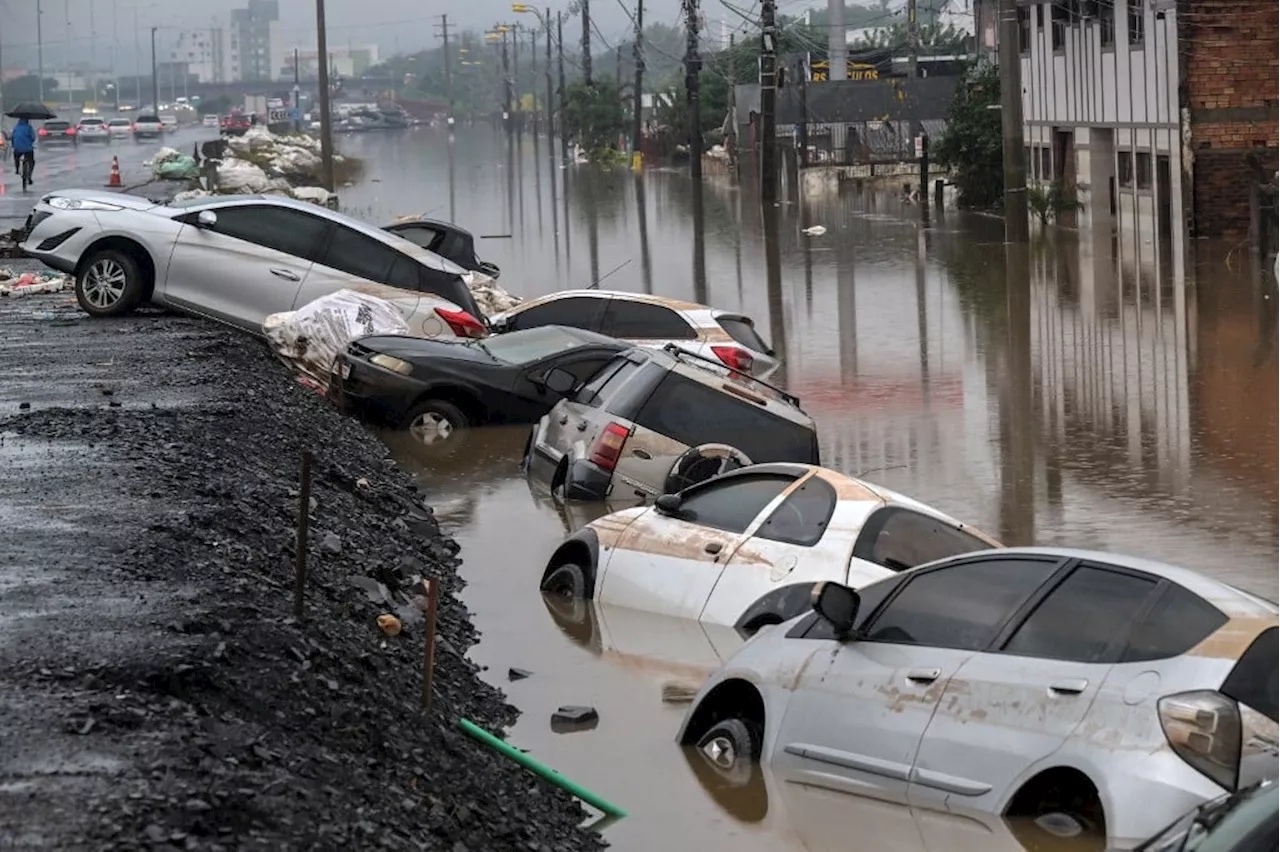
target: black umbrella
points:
(31, 110)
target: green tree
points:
(27, 89)
(971, 146)
(594, 116)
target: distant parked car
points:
(1091, 692)
(169, 123)
(147, 126)
(119, 128)
(236, 124)
(236, 259)
(649, 320)
(651, 415)
(1243, 821)
(92, 130)
(210, 120)
(57, 130)
(746, 547)
(435, 389)
(445, 239)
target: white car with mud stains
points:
(1091, 692)
(745, 548)
(649, 320)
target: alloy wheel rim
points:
(431, 428)
(104, 283)
(721, 752)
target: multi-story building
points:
(345, 61)
(196, 49)
(255, 42)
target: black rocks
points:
(574, 717)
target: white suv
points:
(1087, 691)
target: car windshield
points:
(523, 347)
(1233, 822)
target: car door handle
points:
(285, 273)
(564, 419)
(713, 547)
(924, 675)
(641, 454)
(1068, 687)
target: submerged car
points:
(445, 239)
(434, 389)
(237, 259)
(654, 321)
(746, 547)
(1101, 692)
(655, 421)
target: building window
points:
(1125, 161)
(1046, 163)
(1039, 16)
(1059, 17)
(1024, 29)
(1137, 22)
(1107, 23)
(1142, 166)
(1026, 157)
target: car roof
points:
(434, 223)
(587, 337)
(721, 378)
(648, 298)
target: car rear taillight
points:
(1203, 728)
(43, 132)
(735, 358)
(462, 323)
(608, 447)
(71, 131)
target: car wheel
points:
(436, 424)
(732, 750)
(568, 580)
(109, 284)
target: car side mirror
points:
(207, 219)
(560, 381)
(668, 504)
(837, 605)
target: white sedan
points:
(745, 548)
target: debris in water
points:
(814, 231)
(571, 718)
(389, 624)
(518, 674)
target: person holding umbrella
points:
(24, 136)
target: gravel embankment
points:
(155, 691)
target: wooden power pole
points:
(1015, 169)
(692, 65)
(768, 105)
(637, 158)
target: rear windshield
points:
(741, 330)
(1253, 681)
(149, 118)
(56, 125)
(91, 121)
(119, 122)
(693, 414)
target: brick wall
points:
(1230, 82)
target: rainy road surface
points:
(1095, 408)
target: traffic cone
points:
(115, 174)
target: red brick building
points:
(1229, 86)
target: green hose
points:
(539, 769)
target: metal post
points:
(66, 8)
(506, 85)
(155, 76)
(533, 78)
(93, 52)
(1015, 169)
(586, 41)
(550, 98)
(448, 64)
(692, 64)
(913, 40)
(637, 159)
(564, 95)
(837, 47)
(137, 61)
(326, 121)
(297, 94)
(40, 48)
(924, 174)
(516, 123)
(768, 102)
(802, 138)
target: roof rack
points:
(678, 352)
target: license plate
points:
(344, 370)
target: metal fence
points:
(862, 143)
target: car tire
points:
(436, 424)
(109, 284)
(567, 580)
(732, 749)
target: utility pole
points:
(66, 8)
(1015, 169)
(564, 95)
(913, 41)
(550, 98)
(586, 41)
(768, 104)
(297, 94)
(326, 118)
(115, 51)
(93, 52)
(518, 123)
(506, 81)
(692, 64)
(155, 76)
(802, 80)
(637, 52)
(533, 79)
(448, 64)
(837, 47)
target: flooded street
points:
(1096, 407)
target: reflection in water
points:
(1017, 428)
(555, 205)
(773, 285)
(593, 230)
(642, 213)
(511, 187)
(453, 213)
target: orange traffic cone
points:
(115, 173)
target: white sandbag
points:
(314, 194)
(310, 338)
(491, 298)
(238, 177)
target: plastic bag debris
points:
(32, 283)
(814, 231)
(491, 298)
(314, 194)
(182, 167)
(238, 177)
(389, 624)
(310, 338)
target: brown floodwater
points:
(1058, 398)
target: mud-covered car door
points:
(669, 563)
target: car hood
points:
(418, 348)
(129, 202)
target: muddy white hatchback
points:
(1089, 691)
(745, 548)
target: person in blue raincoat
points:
(24, 144)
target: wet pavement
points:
(1092, 407)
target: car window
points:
(898, 538)
(1083, 617)
(456, 247)
(693, 414)
(743, 332)
(290, 231)
(1253, 680)
(1177, 622)
(869, 598)
(640, 321)
(732, 504)
(358, 254)
(524, 347)
(577, 312)
(405, 273)
(596, 393)
(584, 368)
(802, 518)
(959, 606)
(420, 235)
(449, 285)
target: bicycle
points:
(28, 164)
